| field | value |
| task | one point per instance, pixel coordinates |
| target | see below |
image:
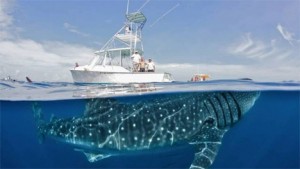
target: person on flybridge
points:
(127, 29)
(136, 57)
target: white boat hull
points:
(83, 76)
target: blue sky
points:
(227, 39)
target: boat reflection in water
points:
(91, 91)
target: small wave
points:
(5, 86)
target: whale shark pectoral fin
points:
(93, 157)
(205, 155)
(207, 143)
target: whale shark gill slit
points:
(213, 110)
(219, 111)
(237, 106)
(229, 115)
(232, 108)
(225, 109)
(222, 111)
(199, 118)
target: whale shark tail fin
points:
(39, 121)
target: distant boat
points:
(113, 64)
(199, 77)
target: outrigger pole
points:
(165, 14)
(143, 5)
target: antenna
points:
(165, 14)
(127, 7)
(144, 5)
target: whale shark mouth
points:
(200, 118)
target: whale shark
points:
(111, 126)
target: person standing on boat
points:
(142, 65)
(151, 66)
(136, 57)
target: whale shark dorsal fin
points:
(207, 143)
(93, 157)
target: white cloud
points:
(259, 50)
(285, 34)
(46, 61)
(271, 61)
(5, 9)
(6, 19)
(246, 44)
(73, 29)
(41, 61)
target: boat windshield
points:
(115, 57)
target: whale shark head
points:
(227, 108)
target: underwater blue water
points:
(266, 137)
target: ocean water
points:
(267, 136)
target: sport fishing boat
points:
(113, 63)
